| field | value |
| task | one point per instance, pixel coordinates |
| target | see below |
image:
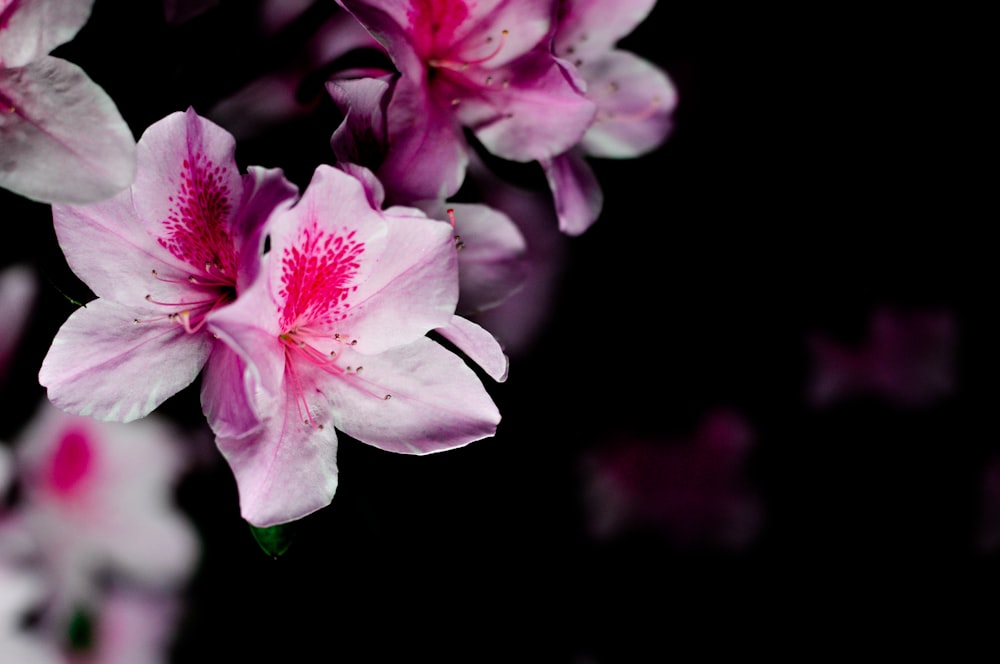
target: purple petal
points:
(635, 101)
(415, 399)
(529, 111)
(128, 368)
(64, 139)
(576, 191)
(592, 27)
(492, 258)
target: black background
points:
(823, 164)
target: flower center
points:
(71, 462)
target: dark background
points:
(822, 164)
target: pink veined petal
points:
(413, 289)
(405, 283)
(188, 189)
(30, 29)
(635, 100)
(528, 111)
(63, 139)
(576, 191)
(478, 345)
(106, 245)
(593, 27)
(414, 399)
(287, 468)
(126, 370)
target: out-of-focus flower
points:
(180, 243)
(635, 102)
(908, 359)
(482, 67)
(96, 499)
(95, 529)
(334, 335)
(18, 289)
(62, 138)
(695, 492)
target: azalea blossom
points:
(97, 498)
(62, 138)
(635, 101)
(492, 261)
(181, 242)
(334, 334)
(483, 67)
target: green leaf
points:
(274, 540)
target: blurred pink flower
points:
(907, 359)
(693, 492)
(62, 139)
(97, 498)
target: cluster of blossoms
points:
(346, 306)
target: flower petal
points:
(287, 468)
(529, 112)
(478, 345)
(33, 28)
(63, 138)
(576, 191)
(106, 245)
(593, 27)
(113, 379)
(635, 101)
(415, 399)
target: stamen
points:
(464, 65)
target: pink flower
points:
(908, 359)
(492, 261)
(334, 335)
(97, 498)
(635, 102)
(484, 67)
(181, 242)
(62, 138)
